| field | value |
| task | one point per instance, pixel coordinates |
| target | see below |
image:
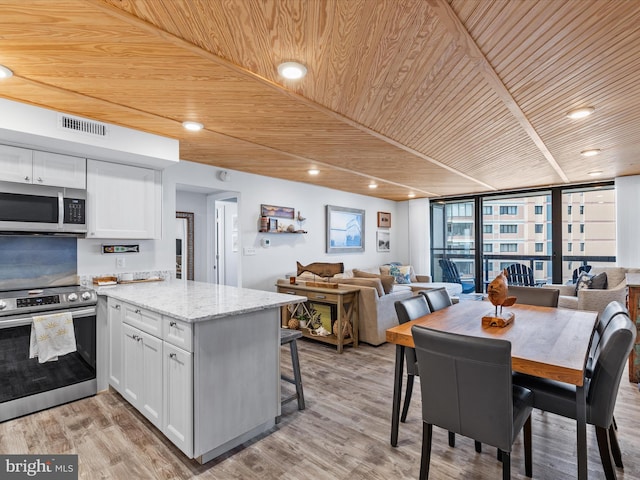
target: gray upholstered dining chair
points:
(466, 387)
(542, 297)
(407, 310)
(437, 298)
(560, 398)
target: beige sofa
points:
(376, 306)
(596, 299)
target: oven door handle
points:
(22, 321)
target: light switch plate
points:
(248, 251)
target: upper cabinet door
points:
(123, 202)
(15, 164)
(59, 170)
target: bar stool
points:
(288, 336)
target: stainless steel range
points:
(26, 385)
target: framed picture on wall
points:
(384, 220)
(345, 230)
(383, 241)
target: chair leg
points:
(499, 455)
(478, 446)
(295, 363)
(605, 454)
(425, 457)
(506, 466)
(615, 447)
(615, 425)
(528, 469)
(452, 439)
(407, 398)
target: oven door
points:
(29, 386)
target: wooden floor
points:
(343, 434)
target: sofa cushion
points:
(364, 282)
(386, 280)
(599, 281)
(401, 273)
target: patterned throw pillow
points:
(401, 273)
(584, 280)
(599, 281)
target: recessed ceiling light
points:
(411, 195)
(193, 126)
(373, 185)
(590, 153)
(292, 70)
(595, 173)
(313, 171)
(580, 112)
(5, 72)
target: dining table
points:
(546, 342)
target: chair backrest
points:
(519, 274)
(615, 345)
(543, 297)
(466, 385)
(411, 308)
(450, 273)
(437, 298)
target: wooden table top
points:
(545, 342)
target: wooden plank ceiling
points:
(421, 97)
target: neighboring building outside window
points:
(538, 227)
(487, 229)
(539, 247)
(569, 228)
(538, 209)
(508, 209)
(509, 247)
(508, 228)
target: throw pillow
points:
(599, 281)
(401, 274)
(386, 280)
(583, 281)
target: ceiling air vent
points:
(82, 125)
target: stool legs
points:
(297, 377)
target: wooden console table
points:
(344, 298)
(633, 283)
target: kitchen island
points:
(200, 361)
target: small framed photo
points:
(384, 220)
(383, 241)
(273, 225)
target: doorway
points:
(212, 247)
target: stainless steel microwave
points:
(44, 209)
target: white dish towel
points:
(52, 336)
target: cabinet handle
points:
(172, 324)
(27, 179)
(117, 307)
(40, 180)
(172, 355)
(137, 338)
(320, 296)
(137, 310)
(290, 293)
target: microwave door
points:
(29, 212)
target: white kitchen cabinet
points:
(114, 327)
(59, 170)
(142, 372)
(143, 319)
(16, 164)
(178, 397)
(123, 202)
(42, 168)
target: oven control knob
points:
(72, 297)
(3, 304)
(86, 296)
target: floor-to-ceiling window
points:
(552, 232)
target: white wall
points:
(262, 269)
(628, 221)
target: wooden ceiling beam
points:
(460, 35)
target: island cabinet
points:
(150, 368)
(200, 361)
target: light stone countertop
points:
(193, 302)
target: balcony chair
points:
(466, 387)
(560, 398)
(519, 274)
(543, 297)
(450, 274)
(578, 271)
